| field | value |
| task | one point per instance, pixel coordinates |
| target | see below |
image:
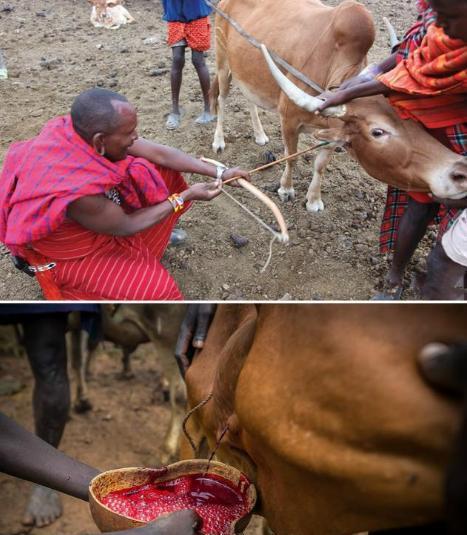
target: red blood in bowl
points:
(215, 499)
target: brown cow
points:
(327, 413)
(328, 45)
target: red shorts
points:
(196, 33)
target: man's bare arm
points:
(99, 214)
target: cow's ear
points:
(337, 135)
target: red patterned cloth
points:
(197, 33)
(430, 84)
(42, 176)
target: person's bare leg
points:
(44, 338)
(445, 278)
(176, 76)
(412, 228)
(199, 63)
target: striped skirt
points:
(91, 266)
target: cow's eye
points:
(377, 132)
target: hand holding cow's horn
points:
(296, 95)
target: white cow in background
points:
(109, 14)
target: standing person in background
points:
(188, 26)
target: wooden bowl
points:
(123, 478)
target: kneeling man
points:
(91, 207)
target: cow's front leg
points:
(314, 202)
(286, 191)
(260, 136)
(223, 81)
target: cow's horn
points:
(393, 39)
(296, 95)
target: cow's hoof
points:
(218, 146)
(262, 140)
(286, 194)
(315, 206)
(82, 405)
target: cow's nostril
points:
(458, 177)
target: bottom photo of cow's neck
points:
(215, 419)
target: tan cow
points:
(328, 45)
(109, 14)
(327, 413)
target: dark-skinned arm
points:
(363, 85)
(178, 160)
(193, 333)
(99, 214)
(26, 456)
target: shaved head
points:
(94, 111)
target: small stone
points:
(124, 50)
(158, 72)
(107, 417)
(286, 297)
(50, 64)
(99, 46)
(239, 241)
(225, 287)
(151, 40)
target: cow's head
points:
(397, 152)
(101, 8)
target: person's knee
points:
(197, 58)
(418, 212)
(178, 59)
(45, 343)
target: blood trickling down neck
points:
(215, 500)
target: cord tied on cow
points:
(191, 441)
(187, 417)
(283, 235)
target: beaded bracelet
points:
(176, 201)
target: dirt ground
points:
(53, 52)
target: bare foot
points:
(44, 507)
(173, 121)
(205, 118)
